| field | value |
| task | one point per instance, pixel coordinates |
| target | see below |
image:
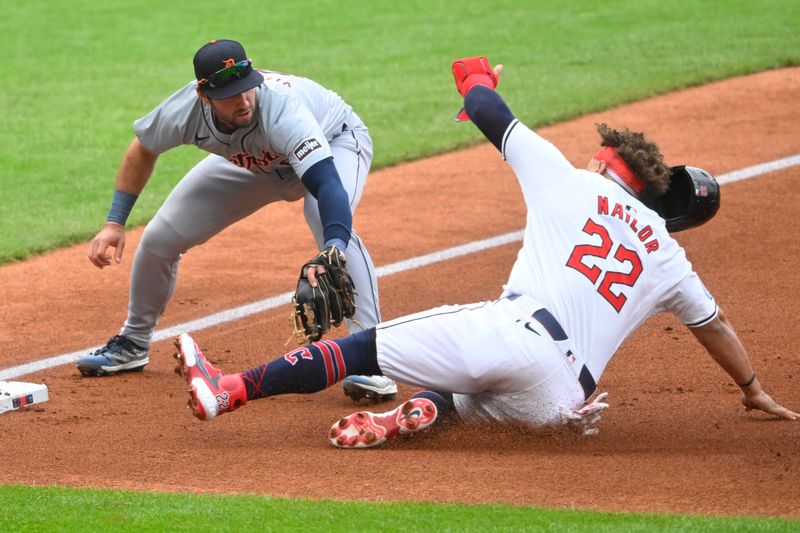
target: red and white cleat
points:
(212, 392)
(366, 430)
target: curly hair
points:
(640, 154)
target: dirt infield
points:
(675, 438)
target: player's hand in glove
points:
(471, 71)
(324, 297)
(583, 420)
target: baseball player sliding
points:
(597, 261)
(272, 137)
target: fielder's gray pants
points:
(214, 195)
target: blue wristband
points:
(121, 207)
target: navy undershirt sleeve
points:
(489, 112)
(322, 181)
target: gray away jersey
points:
(294, 119)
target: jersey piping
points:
(505, 137)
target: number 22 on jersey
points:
(607, 277)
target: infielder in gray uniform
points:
(272, 137)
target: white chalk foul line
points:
(757, 170)
(243, 311)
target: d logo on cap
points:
(223, 69)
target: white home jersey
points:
(596, 257)
(295, 118)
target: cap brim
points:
(254, 79)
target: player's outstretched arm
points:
(475, 80)
(722, 343)
(323, 182)
(134, 172)
(325, 294)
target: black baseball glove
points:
(316, 309)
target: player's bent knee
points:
(161, 239)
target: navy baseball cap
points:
(223, 69)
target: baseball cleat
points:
(211, 392)
(366, 430)
(120, 354)
(374, 388)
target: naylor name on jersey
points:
(623, 214)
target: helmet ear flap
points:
(692, 199)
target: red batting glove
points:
(471, 71)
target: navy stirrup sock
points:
(314, 367)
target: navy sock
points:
(442, 400)
(314, 367)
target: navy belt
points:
(549, 322)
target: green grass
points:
(55, 509)
(79, 72)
